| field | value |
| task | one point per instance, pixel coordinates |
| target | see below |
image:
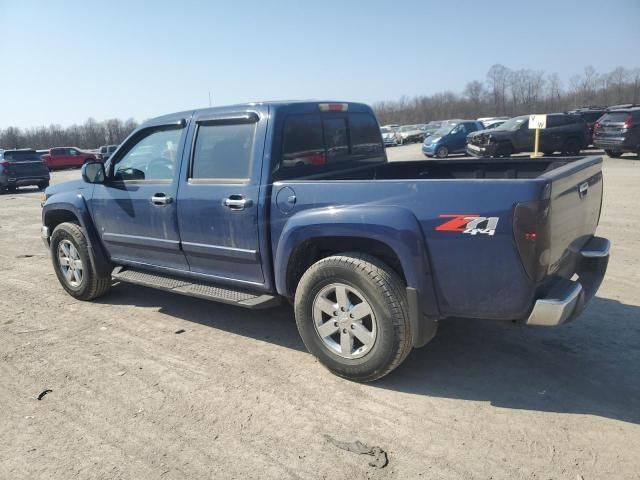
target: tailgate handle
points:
(583, 189)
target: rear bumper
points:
(620, 144)
(8, 180)
(566, 299)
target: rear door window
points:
(223, 152)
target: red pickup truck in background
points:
(64, 157)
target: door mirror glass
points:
(93, 172)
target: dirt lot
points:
(236, 395)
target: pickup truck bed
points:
(487, 266)
(250, 204)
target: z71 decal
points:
(471, 224)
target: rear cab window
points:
(317, 143)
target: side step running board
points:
(195, 288)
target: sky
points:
(64, 61)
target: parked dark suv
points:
(20, 168)
(618, 132)
(564, 133)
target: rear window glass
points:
(615, 117)
(556, 121)
(591, 116)
(21, 156)
(316, 143)
(223, 151)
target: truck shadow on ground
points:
(590, 366)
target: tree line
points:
(516, 92)
(503, 92)
(91, 134)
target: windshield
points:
(407, 128)
(444, 130)
(513, 123)
(386, 130)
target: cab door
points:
(135, 209)
(218, 211)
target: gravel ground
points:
(236, 395)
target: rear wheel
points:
(613, 153)
(442, 152)
(72, 263)
(12, 188)
(571, 147)
(352, 314)
(43, 185)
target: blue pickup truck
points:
(264, 202)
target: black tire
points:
(503, 150)
(91, 285)
(571, 147)
(613, 153)
(386, 294)
(12, 189)
(43, 185)
(3, 190)
(442, 152)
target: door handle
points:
(161, 199)
(237, 202)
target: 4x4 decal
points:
(469, 223)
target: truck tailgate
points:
(574, 211)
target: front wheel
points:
(72, 263)
(504, 150)
(442, 152)
(352, 314)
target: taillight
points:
(596, 126)
(4, 163)
(628, 123)
(531, 234)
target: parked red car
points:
(64, 157)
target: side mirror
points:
(93, 172)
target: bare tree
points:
(498, 80)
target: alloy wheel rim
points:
(344, 320)
(70, 263)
